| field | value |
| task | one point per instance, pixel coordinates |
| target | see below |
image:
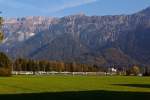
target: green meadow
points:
(74, 87)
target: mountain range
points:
(100, 40)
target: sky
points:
(60, 8)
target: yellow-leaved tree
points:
(1, 32)
(5, 62)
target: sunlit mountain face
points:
(101, 40)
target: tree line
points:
(46, 66)
(58, 66)
(20, 64)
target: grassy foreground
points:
(74, 87)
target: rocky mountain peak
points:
(145, 12)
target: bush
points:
(5, 72)
(135, 70)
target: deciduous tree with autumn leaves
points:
(5, 62)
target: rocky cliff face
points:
(121, 39)
(21, 29)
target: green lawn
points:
(75, 86)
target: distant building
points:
(112, 71)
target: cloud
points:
(74, 3)
(40, 7)
(66, 4)
(44, 6)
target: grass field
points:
(75, 87)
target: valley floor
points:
(75, 87)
